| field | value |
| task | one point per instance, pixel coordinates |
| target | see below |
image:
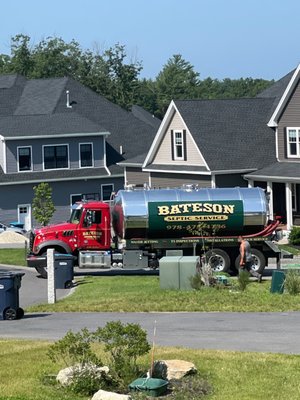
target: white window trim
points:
(106, 184)
(80, 144)
(74, 194)
(55, 145)
(294, 195)
(24, 147)
(297, 129)
(176, 158)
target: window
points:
(56, 157)
(293, 142)
(106, 191)
(86, 155)
(75, 198)
(24, 158)
(178, 139)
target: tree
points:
(42, 204)
(176, 81)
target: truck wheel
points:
(218, 259)
(259, 261)
(42, 271)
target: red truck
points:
(141, 226)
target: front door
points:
(279, 202)
(24, 215)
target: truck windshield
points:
(75, 216)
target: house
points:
(59, 131)
(223, 143)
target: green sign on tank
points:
(186, 218)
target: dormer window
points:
(293, 142)
(178, 145)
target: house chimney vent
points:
(121, 149)
(68, 99)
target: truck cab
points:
(87, 228)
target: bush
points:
(124, 343)
(292, 282)
(243, 279)
(294, 236)
(196, 281)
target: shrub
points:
(243, 279)
(196, 281)
(292, 282)
(124, 343)
(294, 236)
(74, 348)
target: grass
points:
(13, 257)
(291, 249)
(143, 294)
(232, 375)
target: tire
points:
(20, 313)
(42, 271)
(259, 261)
(10, 314)
(218, 259)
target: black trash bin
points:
(10, 283)
(64, 270)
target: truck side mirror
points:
(88, 219)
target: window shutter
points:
(184, 145)
(172, 145)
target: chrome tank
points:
(130, 215)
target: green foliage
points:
(42, 204)
(292, 282)
(74, 348)
(294, 236)
(196, 281)
(124, 343)
(110, 74)
(243, 279)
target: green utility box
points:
(150, 386)
(174, 252)
(169, 272)
(277, 283)
(187, 269)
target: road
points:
(262, 332)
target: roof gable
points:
(227, 132)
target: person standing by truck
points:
(246, 258)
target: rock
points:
(103, 395)
(65, 376)
(172, 369)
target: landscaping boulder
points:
(103, 395)
(65, 376)
(172, 369)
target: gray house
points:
(60, 132)
(223, 143)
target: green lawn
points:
(143, 294)
(232, 375)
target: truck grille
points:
(31, 241)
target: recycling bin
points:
(10, 283)
(277, 283)
(64, 270)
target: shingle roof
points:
(53, 175)
(280, 170)
(46, 125)
(230, 132)
(38, 107)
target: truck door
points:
(94, 230)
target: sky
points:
(219, 38)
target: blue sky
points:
(220, 38)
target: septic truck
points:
(141, 226)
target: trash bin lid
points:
(10, 274)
